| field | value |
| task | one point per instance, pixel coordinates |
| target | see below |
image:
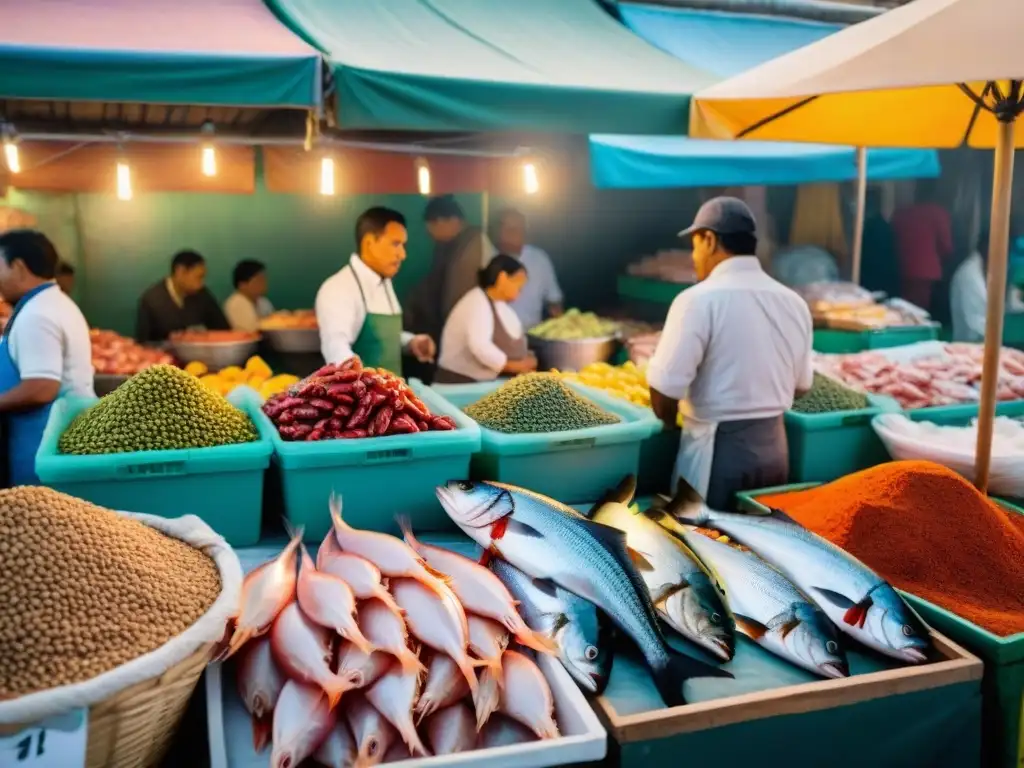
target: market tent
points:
(726, 44)
(502, 65)
(931, 73)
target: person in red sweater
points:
(924, 241)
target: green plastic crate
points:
(573, 467)
(378, 478)
(833, 341)
(222, 485)
(825, 446)
(648, 289)
(961, 415)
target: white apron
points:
(696, 454)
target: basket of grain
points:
(112, 612)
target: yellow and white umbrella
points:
(932, 73)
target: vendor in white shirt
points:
(45, 350)
(968, 295)
(483, 338)
(737, 348)
(542, 296)
(356, 308)
(248, 305)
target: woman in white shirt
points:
(483, 338)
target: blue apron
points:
(24, 428)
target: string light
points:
(423, 176)
(124, 180)
(11, 155)
(327, 176)
(531, 184)
(209, 153)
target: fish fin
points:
(486, 698)
(677, 671)
(468, 668)
(238, 639)
(641, 560)
(500, 527)
(750, 627)
(538, 641)
(444, 578)
(223, 645)
(335, 506)
(858, 614)
(520, 529)
(355, 636)
(335, 688)
(623, 494)
(385, 597)
(304, 558)
(261, 733)
(405, 526)
(485, 557)
(837, 599)
(686, 502)
(410, 662)
(547, 586)
(788, 626)
(545, 728)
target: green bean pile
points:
(537, 402)
(827, 396)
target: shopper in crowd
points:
(248, 305)
(880, 268)
(924, 240)
(65, 277)
(356, 308)
(737, 348)
(484, 338)
(45, 350)
(179, 302)
(968, 295)
(542, 296)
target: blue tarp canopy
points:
(725, 44)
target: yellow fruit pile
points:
(625, 381)
(256, 374)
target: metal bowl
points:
(293, 341)
(215, 355)
(105, 383)
(572, 355)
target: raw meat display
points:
(115, 355)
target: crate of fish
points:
(424, 674)
(163, 444)
(562, 439)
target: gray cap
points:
(724, 216)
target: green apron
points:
(379, 344)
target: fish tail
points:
(537, 641)
(545, 728)
(486, 698)
(294, 537)
(467, 667)
(381, 593)
(687, 506)
(222, 646)
(335, 506)
(412, 741)
(677, 670)
(261, 730)
(425, 707)
(357, 638)
(410, 662)
(336, 687)
(405, 526)
(241, 636)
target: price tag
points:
(56, 742)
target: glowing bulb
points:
(124, 181)
(531, 184)
(423, 176)
(327, 176)
(12, 157)
(209, 160)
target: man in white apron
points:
(737, 349)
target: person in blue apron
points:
(356, 307)
(45, 350)
(734, 353)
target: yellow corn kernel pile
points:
(256, 374)
(625, 381)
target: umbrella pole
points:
(858, 227)
(999, 245)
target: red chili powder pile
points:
(926, 530)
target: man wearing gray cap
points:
(736, 349)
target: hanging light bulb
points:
(11, 155)
(209, 153)
(327, 175)
(423, 176)
(531, 184)
(124, 180)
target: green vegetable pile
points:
(575, 326)
(537, 402)
(828, 395)
(160, 408)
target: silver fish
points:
(680, 588)
(854, 597)
(546, 539)
(583, 636)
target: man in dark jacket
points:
(178, 302)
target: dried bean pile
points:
(537, 402)
(349, 401)
(84, 590)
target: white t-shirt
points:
(541, 287)
(467, 343)
(50, 340)
(243, 314)
(968, 300)
(736, 346)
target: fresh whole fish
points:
(394, 696)
(526, 696)
(398, 752)
(502, 731)
(452, 730)
(361, 668)
(372, 733)
(546, 539)
(386, 630)
(259, 684)
(302, 720)
(302, 651)
(338, 750)
(680, 588)
(487, 640)
(854, 597)
(437, 619)
(327, 600)
(582, 634)
(444, 686)
(487, 696)
(362, 576)
(479, 591)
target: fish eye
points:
(371, 747)
(714, 618)
(465, 485)
(590, 653)
(908, 631)
(831, 646)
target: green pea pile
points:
(537, 402)
(160, 408)
(828, 395)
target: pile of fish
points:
(383, 650)
(786, 589)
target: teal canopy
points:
(493, 65)
(230, 53)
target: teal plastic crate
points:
(834, 341)
(378, 478)
(825, 446)
(961, 415)
(573, 467)
(221, 485)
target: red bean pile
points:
(349, 401)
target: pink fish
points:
(445, 685)
(437, 619)
(329, 548)
(386, 630)
(394, 696)
(328, 601)
(361, 668)
(502, 731)
(303, 652)
(338, 750)
(526, 696)
(487, 696)
(265, 592)
(373, 734)
(398, 752)
(302, 720)
(451, 730)
(479, 591)
(259, 684)
(362, 576)
(487, 641)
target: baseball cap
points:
(724, 216)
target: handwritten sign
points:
(57, 742)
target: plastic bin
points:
(222, 485)
(573, 467)
(835, 341)
(377, 477)
(824, 446)
(961, 415)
